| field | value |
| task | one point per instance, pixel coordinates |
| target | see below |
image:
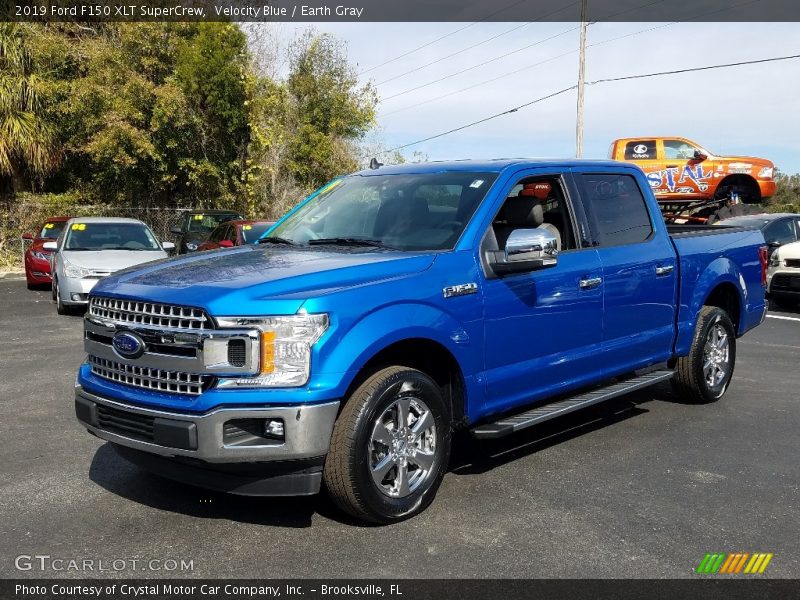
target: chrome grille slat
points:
(148, 313)
(159, 380)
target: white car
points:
(783, 275)
(89, 248)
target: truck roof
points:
(488, 166)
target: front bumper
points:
(784, 283)
(75, 291)
(307, 430)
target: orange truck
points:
(691, 183)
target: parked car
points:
(691, 183)
(197, 225)
(37, 258)
(783, 277)
(235, 233)
(778, 228)
(91, 248)
(399, 304)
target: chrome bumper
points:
(307, 430)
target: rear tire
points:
(390, 447)
(704, 375)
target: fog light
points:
(273, 428)
(76, 297)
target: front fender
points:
(391, 324)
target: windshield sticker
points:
(78, 226)
(198, 217)
(476, 184)
(49, 225)
(247, 227)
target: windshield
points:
(426, 211)
(110, 236)
(252, 231)
(52, 229)
(207, 223)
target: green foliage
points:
(27, 141)
(167, 114)
(787, 195)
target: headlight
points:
(285, 348)
(75, 271)
(191, 246)
(40, 255)
(774, 260)
(766, 172)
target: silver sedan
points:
(89, 248)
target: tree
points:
(306, 128)
(28, 144)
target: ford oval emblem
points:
(127, 344)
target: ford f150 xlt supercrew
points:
(399, 304)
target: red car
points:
(235, 233)
(37, 259)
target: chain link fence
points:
(18, 218)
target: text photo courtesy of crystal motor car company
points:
(346, 343)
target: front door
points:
(543, 329)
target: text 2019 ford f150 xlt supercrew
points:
(398, 304)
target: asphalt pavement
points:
(643, 486)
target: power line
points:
(470, 47)
(520, 70)
(482, 64)
(447, 35)
(595, 82)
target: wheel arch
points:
(740, 180)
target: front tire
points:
(704, 375)
(60, 307)
(390, 447)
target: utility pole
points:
(581, 82)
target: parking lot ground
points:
(642, 486)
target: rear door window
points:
(640, 150)
(617, 209)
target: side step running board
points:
(539, 414)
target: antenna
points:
(374, 164)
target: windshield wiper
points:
(348, 241)
(275, 240)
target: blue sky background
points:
(750, 110)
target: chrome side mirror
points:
(167, 246)
(50, 246)
(526, 250)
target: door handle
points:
(664, 270)
(590, 282)
(672, 166)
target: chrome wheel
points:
(402, 447)
(716, 356)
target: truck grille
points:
(151, 379)
(793, 262)
(130, 424)
(783, 282)
(148, 313)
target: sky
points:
(749, 110)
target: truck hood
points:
(258, 280)
(747, 160)
(111, 260)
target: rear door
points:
(639, 270)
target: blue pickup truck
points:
(399, 304)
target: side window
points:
(640, 150)
(535, 203)
(678, 150)
(218, 234)
(783, 231)
(230, 233)
(617, 209)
